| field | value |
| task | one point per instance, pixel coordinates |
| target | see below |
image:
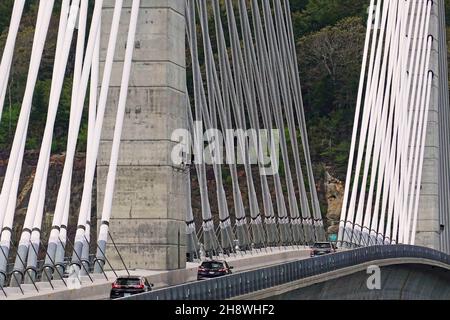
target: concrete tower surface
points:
(434, 197)
(149, 209)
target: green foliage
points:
(447, 11)
(313, 15)
(330, 69)
(18, 80)
(8, 125)
(5, 8)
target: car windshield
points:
(322, 245)
(128, 281)
(212, 265)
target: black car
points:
(322, 248)
(213, 269)
(128, 286)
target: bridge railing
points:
(240, 284)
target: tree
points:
(317, 14)
(5, 13)
(330, 62)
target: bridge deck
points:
(287, 277)
(99, 289)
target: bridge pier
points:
(149, 209)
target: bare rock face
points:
(334, 190)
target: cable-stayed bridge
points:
(177, 89)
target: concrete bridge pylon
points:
(149, 209)
(433, 227)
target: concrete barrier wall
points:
(281, 279)
(401, 282)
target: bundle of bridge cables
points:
(397, 91)
(245, 77)
(86, 79)
(247, 80)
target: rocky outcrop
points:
(334, 190)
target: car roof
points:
(214, 261)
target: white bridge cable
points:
(293, 94)
(392, 129)
(300, 112)
(79, 58)
(253, 73)
(426, 99)
(210, 241)
(214, 102)
(241, 65)
(376, 55)
(344, 212)
(257, 84)
(36, 235)
(259, 234)
(249, 85)
(419, 106)
(211, 245)
(392, 138)
(279, 33)
(396, 209)
(384, 132)
(227, 89)
(92, 114)
(261, 70)
(292, 97)
(33, 218)
(363, 184)
(93, 147)
(37, 199)
(8, 51)
(226, 116)
(71, 149)
(413, 90)
(8, 196)
(258, 138)
(377, 90)
(43, 164)
(350, 221)
(371, 90)
(401, 173)
(378, 77)
(249, 99)
(240, 101)
(237, 88)
(385, 73)
(193, 242)
(275, 90)
(115, 151)
(414, 160)
(22, 125)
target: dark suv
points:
(128, 286)
(213, 269)
(322, 248)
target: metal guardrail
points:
(239, 284)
